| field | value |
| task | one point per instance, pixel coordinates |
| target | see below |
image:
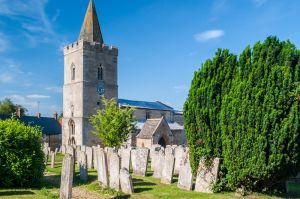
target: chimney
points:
(55, 115)
(18, 113)
(39, 115)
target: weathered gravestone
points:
(83, 168)
(83, 148)
(178, 152)
(169, 150)
(207, 176)
(56, 150)
(126, 181)
(77, 151)
(109, 151)
(89, 154)
(158, 163)
(71, 150)
(67, 177)
(63, 149)
(46, 153)
(52, 160)
(154, 154)
(102, 169)
(168, 169)
(125, 158)
(114, 171)
(185, 178)
(94, 157)
(139, 158)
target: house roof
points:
(144, 105)
(49, 126)
(149, 128)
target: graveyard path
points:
(83, 193)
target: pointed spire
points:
(90, 30)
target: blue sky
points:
(161, 42)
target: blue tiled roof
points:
(50, 126)
(145, 105)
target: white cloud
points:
(31, 15)
(37, 96)
(55, 89)
(208, 35)
(19, 99)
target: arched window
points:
(72, 127)
(100, 73)
(73, 72)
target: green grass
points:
(144, 188)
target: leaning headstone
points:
(207, 176)
(169, 150)
(102, 169)
(125, 158)
(67, 177)
(158, 164)
(114, 171)
(77, 152)
(56, 150)
(185, 178)
(139, 158)
(52, 160)
(178, 152)
(168, 169)
(83, 168)
(126, 181)
(89, 153)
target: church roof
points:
(144, 105)
(149, 128)
(49, 126)
(90, 30)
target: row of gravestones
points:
(106, 161)
(175, 160)
(113, 166)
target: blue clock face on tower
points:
(101, 88)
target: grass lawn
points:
(144, 188)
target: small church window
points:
(73, 72)
(100, 73)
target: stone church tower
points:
(90, 71)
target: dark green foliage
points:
(21, 155)
(247, 112)
(7, 107)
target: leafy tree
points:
(7, 107)
(21, 157)
(254, 120)
(113, 124)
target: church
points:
(91, 71)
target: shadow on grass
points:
(16, 193)
(140, 185)
(121, 197)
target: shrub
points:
(246, 111)
(21, 155)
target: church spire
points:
(90, 30)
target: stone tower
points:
(90, 71)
